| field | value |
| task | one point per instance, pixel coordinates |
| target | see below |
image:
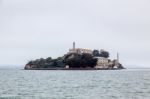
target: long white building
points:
(79, 50)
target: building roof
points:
(100, 57)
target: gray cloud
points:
(42, 28)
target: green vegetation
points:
(73, 60)
(102, 53)
(96, 53)
(46, 63)
(84, 60)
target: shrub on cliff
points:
(96, 53)
(104, 54)
(84, 60)
(73, 60)
(46, 63)
(88, 60)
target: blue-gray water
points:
(47, 84)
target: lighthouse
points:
(74, 46)
(118, 57)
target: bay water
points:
(75, 84)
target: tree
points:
(104, 54)
(47, 63)
(96, 53)
(60, 58)
(88, 60)
(73, 60)
(48, 59)
(84, 60)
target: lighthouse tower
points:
(74, 46)
(118, 57)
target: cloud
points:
(42, 28)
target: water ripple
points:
(124, 84)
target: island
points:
(77, 59)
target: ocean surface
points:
(77, 84)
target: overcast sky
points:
(31, 29)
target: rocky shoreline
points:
(73, 69)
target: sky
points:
(32, 29)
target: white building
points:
(102, 62)
(79, 50)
